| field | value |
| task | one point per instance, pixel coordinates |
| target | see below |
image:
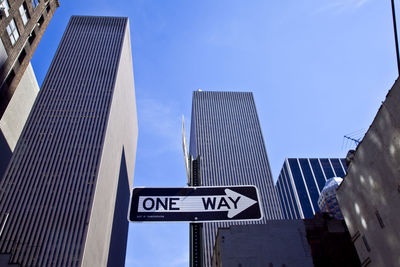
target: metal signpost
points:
(195, 204)
(195, 229)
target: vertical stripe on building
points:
(226, 133)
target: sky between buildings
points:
(319, 69)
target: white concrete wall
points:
(122, 131)
(372, 186)
(17, 112)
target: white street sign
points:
(197, 204)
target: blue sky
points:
(319, 69)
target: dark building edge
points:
(120, 227)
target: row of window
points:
(12, 29)
(4, 6)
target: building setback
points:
(301, 181)
(64, 196)
(22, 25)
(226, 134)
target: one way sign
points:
(195, 204)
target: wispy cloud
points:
(180, 261)
(340, 6)
(161, 122)
(361, 3)
(169, 242)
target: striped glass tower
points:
(226, 134)
(301, 181)
(65, 194)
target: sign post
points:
(195, 229)
(195, 204)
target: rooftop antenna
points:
(357, 141)
(353, 138)
(185, 150)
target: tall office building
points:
(64, 197)
(301, 181)
(22, 25)
(226, 134)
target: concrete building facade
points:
(226, 135)
(15, 116)
(301, 181)
(22, 25)
(65, 194)
(275, 243)
(321, 241)
(369, 196)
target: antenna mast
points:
(357, 141)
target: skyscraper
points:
(225, 132)
(22, 25)
(301, 181)
(65, 195)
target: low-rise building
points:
(369, 196)
(321, 241)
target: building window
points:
(21, 56)
(364, 239)
(35, 3)
(378, 216)
(32, 37)
(40, 21)
(12, 32)
(10, 78)
(23, 11)
(4, 7)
